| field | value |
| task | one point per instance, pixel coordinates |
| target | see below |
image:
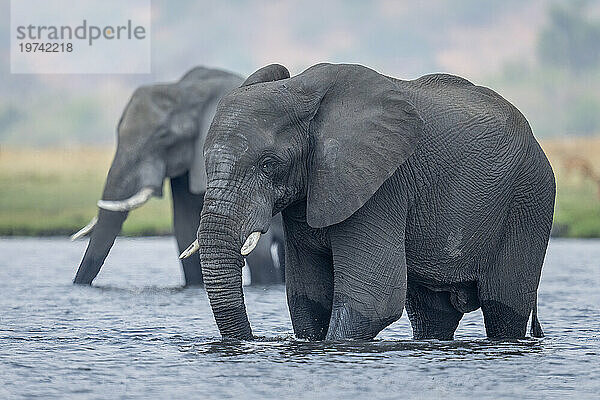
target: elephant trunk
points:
(108, 223)
(102, 238)
(222, 262)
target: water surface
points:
(137, 334)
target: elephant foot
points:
(431, 314)
(349, 324)
(502, 321)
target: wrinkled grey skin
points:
(431, 194)
(161, 135)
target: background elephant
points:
(161, 134)
(431, 193)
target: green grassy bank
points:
(54, 192)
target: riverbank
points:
(53, 192)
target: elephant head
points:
(329, 137)
(161, 134)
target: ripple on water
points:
(138, 333)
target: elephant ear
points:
(206, 95)
(270, 73)
(363, 129)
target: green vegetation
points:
(54, 192)
(576, 165)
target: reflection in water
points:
(141, 289)
(291, 349)
(138, 333)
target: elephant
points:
(161, 135)
(429, 194)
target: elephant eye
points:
(162, 133)
(268, 165)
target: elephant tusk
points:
(275, 255)
(250, 243)
(85, 230)
(192, 248)
(246, 274)
(247, 248)
(134, 201)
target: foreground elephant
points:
(161, 134)
(430, 193)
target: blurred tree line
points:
(570, 40)
(560, 91)
(555, 80)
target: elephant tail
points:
(536, 327)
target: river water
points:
(137, 334)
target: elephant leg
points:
(507, 289)
(186, 218)
(278, 245)
(309, 284)
(278, 255)
(431, 313)
(369, 279)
